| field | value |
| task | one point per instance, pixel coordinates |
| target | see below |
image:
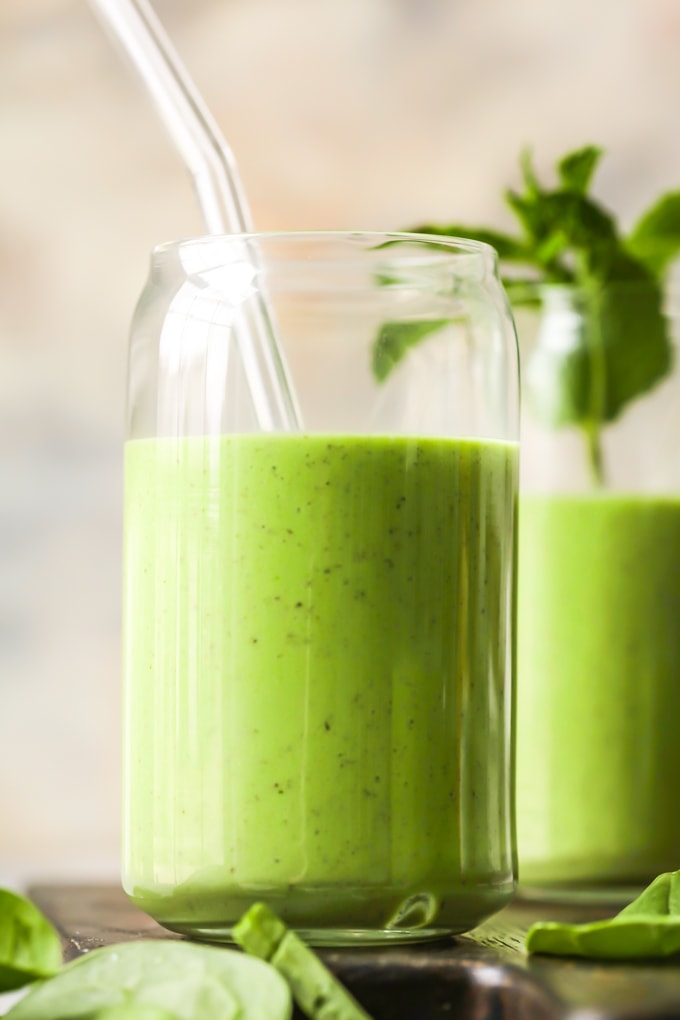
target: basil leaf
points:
(394, 340)
(655, 239)
(622, 347)
(577, 168)
(647, 927)
(579, 222)
(528, 173)
(610, 262)
(637, 347)
(29, 946)
(188, 982)
(507, 247)
(619, 348)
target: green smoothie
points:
(318, 660)
(598, 739)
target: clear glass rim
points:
(446, 247)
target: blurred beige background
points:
(343, 114)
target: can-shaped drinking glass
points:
(319, 605)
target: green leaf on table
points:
(395, 338)
(318, 993)
(184, 981)
(662, 897)
(655, 238)
(648, 927)
(576, 169)
(29, 946)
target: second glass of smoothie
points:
(598, 754)
(319, 624)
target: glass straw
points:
(220, 192)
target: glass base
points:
(326, 936)
(329, 915)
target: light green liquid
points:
(598, 738)
(318, 636)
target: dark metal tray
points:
(482, 976)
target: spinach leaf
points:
(662, 897)
(318, 993)
(647, 927)
(156, 980)
(29, 946)
(134, 1011)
